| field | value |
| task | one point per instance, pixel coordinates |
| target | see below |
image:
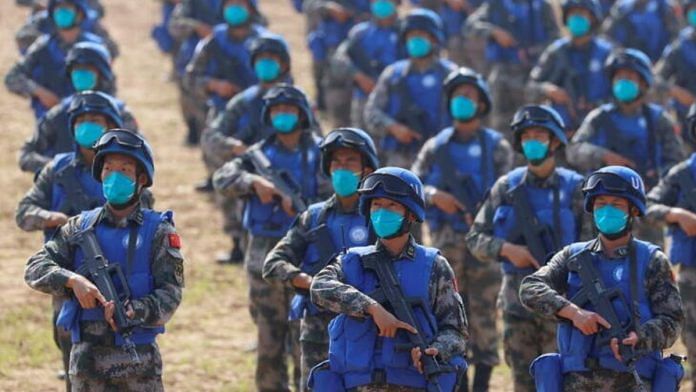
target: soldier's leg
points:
(314, 340)
(520, 341)
(475, 54)
(357, 107)
(455, 50)
(508, 93)
(338, 92)
(194, 112)
(687, 286)
(600, 380)
(62, 339)
(318, 71)
(232, 209)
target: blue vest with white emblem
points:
(114, 242)
(372, 48)
(473, 158)
(270, 220)
(683, 248)
(249, 127)
(415, 100)
(574, 346)
(524, 21)
(329, 33)
(205, 11)
(356, 351)
(561, 221)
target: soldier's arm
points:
(663, 196)
(27, 34)
(672, 148)
(181, 23)
(283, 261)
(109, 42)
(585, 226)
(662, 330)
(129, 121)
(235, 178)
(449, 311)
(168, 276)
(503, 158)
(341, 60)
(550, 26)
(31, 155)
(542, 292)
(665, 70)
(581, 153)
(17, 79)
(376, 118)
(48, 270)
(195, 78)
(329, 292)
(478, 24)
(423, 164)
(220, 139)
(33, 209)
(480, 239)
(543, 72)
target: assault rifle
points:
(529, 229)
(280, 178)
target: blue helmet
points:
(270, 43)
(284, 93)
(424, 20)
(542, 116)
(468, 76)
(90, 53)
(396, 184)
(80, 4)
(123, 141)
(632, 59)
(354, 138)
(90, 101)
(591, 5)
(617, 181)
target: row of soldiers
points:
(270, 156)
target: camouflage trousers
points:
(386, 388)
(232, 213)
(194, 110)
(479, 284)
(600, 380)
(100, 368)
(508, 93)
(398, 158)
(469, 52)
(687, 287)
(269, 306)
(335, 90)
(314, 343)
(357, 118)
(62, 338)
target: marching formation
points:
(519, 158)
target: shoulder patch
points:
(174, 240)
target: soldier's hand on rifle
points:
(446, 202)
(614, 159)
(684, 218)
(682, 95)
(416, 355)
(55, 219)
(586, 321)
(87, 294)
(557, 94)
(302, 281)
(631, 340)
(46, 97)
(337, 11)
(203, 30)
(364, 82)
(109, 309)
(222, 88)
(386, 322)
(239, 149)
(519, 255)
(403, 133)
(503, 38)
(264, 189)
(286, 203)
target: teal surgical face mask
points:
(87, 133)
(691, 17)
(64, 17)
(83, 79)
(345, 182)
(578, 25)
(386, 222)
(118, 188)
(235, 14)
(383, 9)
(625, 90)
(284, 122)
(462, 108)
(418, 47)
(267, 69)
(535, 151)
(610, 220)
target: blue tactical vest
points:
(45, 24)
(270, 220)
(683, 248)
(347, 231)
(371, 49)
(206, 11)
(469, 161)
(356, 351)
(250, 127)
(562, 220)
(575, 347)
(114, 242)
(524, 21)
(633, 137)
(685, 63)
(160, 33)
(642, 29)
(47, 67)
(329, 33)
(230, 60)
(415, 100)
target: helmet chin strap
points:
(134, 199)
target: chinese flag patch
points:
(175, 241)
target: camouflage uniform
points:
(508, 79)
(478, 282)
(95, 362)
(661, 199)
(543, 293)
(525, 335)
(329, 292)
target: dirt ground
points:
(206, 344)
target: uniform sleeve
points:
(672, 149)
(480, 239)
(663, 196)
(376, 118)
(17, 79)
(543, 291)
(168, 276)
(195, 78)
(33, 209)
(478, 24)
(129, 121)
(423, 165)
(666, 70)
(27, 34)
(283, 261)
(585, 225)
(329, 292)
(216, 140)
(543, 72)
(234, 179)
(581, 153)
(662, 330)
(448, 310)
(182, 24)
(341, 61)
(550, 26)
(503, 158)
(31, 154)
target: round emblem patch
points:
(618, 273)
(358, 235)
(429, 81)
(475, 151)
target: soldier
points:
(649, 316)
(517, 33)
(530, 212)
(674, 71)
(645, 25)
(291, 155)
(320, 233)
(570, 72)
(365, 353)
(40, 74)
(458, 166)
(240, 125)
(405, 108)
(673, 201)
(89, 68)
(143, 244)
(370, 47)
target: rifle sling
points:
(132, 245)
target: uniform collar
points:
(548, 182)
(135, 216)
(409, 252)
(619, 253)
(333, 203)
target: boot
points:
(205, 186)
(235, 256)
(482, 378)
